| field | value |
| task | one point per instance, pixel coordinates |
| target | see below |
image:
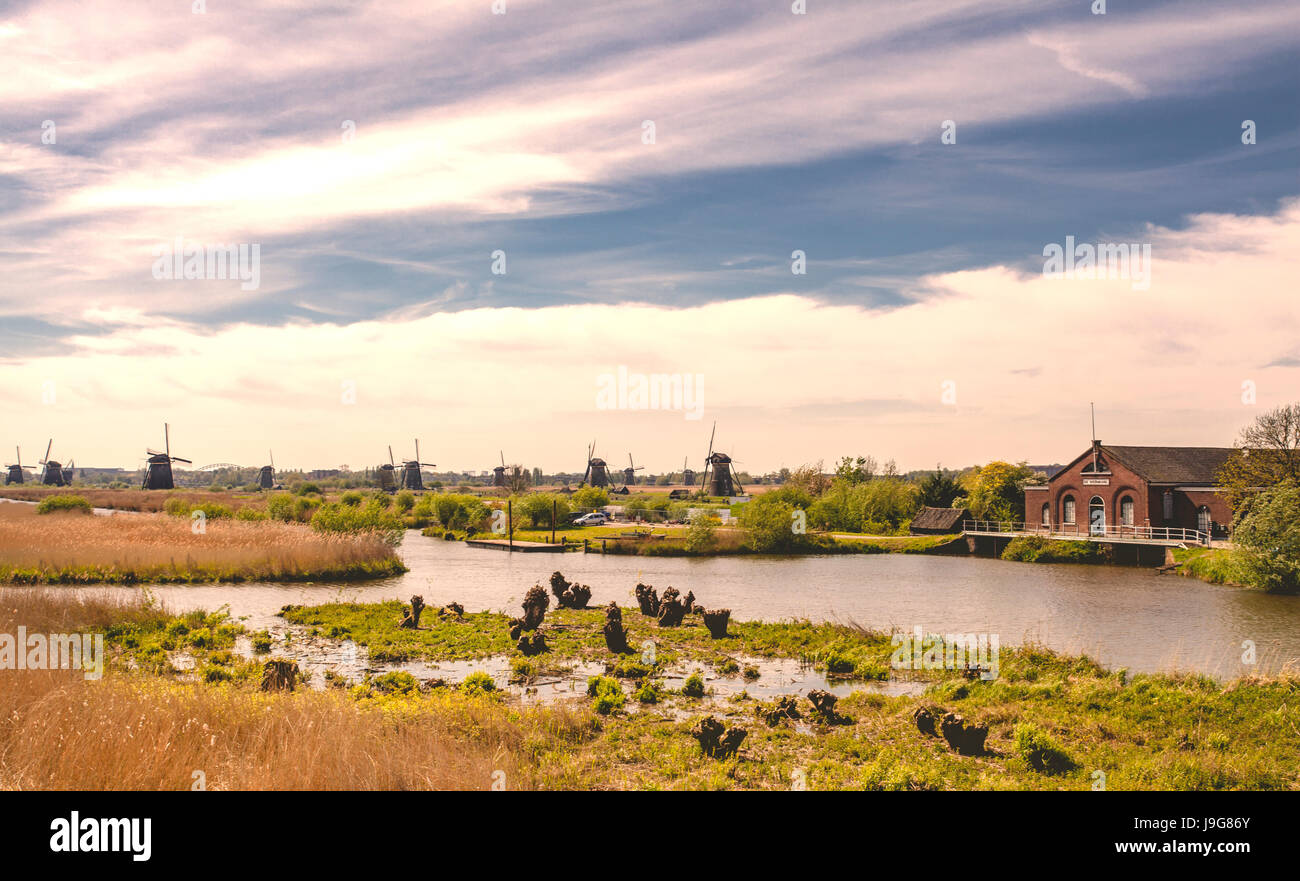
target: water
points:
(1123, 617)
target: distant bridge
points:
(219, 466)
(1167, 536)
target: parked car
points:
(595, 518)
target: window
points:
(1169, 506)
(1047, 515)
(1068, 510)
(1126, 511)
(1203, 520)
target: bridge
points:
(1166, 536)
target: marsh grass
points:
(66, 548)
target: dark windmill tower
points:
(688, 476)
(387, 474)
(158, 467)
(52, 472)
(597, 470)
(499, 472)
(266, 475)
(629, 473)
(411, 478)
(719, 475)
(15, 472)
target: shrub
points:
(1042, 753)
(700, 535)
(694, 686)
(336, 517)
(649, 692)
(74, 504)
(478, 683)
(262, 642)
(1037, 549)
(352, 498)
(396, 682)
(404, 501)
(589, 497)
(607, 692)
(303, 489)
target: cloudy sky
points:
(465, 219)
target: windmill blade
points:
(417, 451)
(503, 457)
(390, 456)
(179, 459)
(47, 450)
(272, 455)
(167, 437)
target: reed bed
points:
(151, 501)
(69, 548)
(59, 731)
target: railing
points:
(1086, 532)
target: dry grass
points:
(134, 732)
(138, 499)
(126, 548)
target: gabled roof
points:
(946, 519)
(1191, 465)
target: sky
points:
(469, 219)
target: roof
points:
(1199, 465)
(947, 519)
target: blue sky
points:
(523, 132)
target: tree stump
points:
(784, 707)
(536, 602)
(648, 599)
(569, 595)
(926, 720)
(716, 620)
(615, 632)
(716, 740)
(671, 610)
(965, 737)
(824, 708)
(279, 675)
(532, 643)
(452, 610)
(411, 617)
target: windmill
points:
(629, 473)
(596, 468)
(266, 475)
(15, 474)
(719, 476)
(387, 474)
(52, 472)
(158, 467)
(411, 470)
(688, 476)
(499, 471)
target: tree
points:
(768, 522)
(517, 478)
(590, 497)
(1267, 453)
(938, 490)
(855, 471)
(536, 507)
(997, 491)
(700, 534)
(1267, 533)
(810, 479)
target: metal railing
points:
(1085, 532)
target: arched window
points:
(1096, 516)
(1203, 520)
(1126, 511)
(1067, 510)
(1047, 515)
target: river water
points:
(1121, 616)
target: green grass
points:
(195, 573)
(1215, 565)
(1036, 549)
(52, 504)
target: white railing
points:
(1086, 532)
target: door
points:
(1097, 516)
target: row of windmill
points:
(719, 477)
(52, 473)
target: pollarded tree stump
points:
(536, 602)
(716, 740)
(279, 675)
(615, 632)
(926, 719)
(716, 620)
(532, 643)
(783, 708)
(824, 708)
(411, 617)
(648, 599)
(965, 737)
(452, 610)
(671, 610)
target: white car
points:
(595, 518)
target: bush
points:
(1036, 549)
(649, 692)
(536, 508)
(478, 683)
(396, 682)
(352, 498)
(694, 686)
(336, 517)
(607, 692)
(1268, 534)
(1042, 753)
(701, 534)
(62, 503)
(303, 489)
(404, 501)
(768, 522)
(589, 497)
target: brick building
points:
(1118, 487)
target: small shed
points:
(938, 521)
